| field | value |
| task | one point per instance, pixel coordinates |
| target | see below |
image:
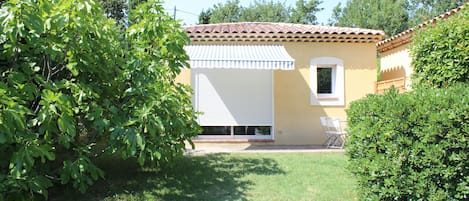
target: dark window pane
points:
(216, 130)
(324, 80)
(240, 130)
(262, 130)
(243, 130)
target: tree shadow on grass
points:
(204, 177)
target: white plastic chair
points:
(325, 122)
(335, 132)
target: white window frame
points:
(336, 98)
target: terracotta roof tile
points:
(267, 31)
(269, 27)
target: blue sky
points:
(188, 10)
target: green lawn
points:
(262, 176)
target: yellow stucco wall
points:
(398, 72)
(296, 121)
(396, 57)
(396, 63)
(184, 77)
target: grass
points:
(261, 176)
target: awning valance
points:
(269, 57)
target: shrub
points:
(412, 146)
(440, 52)
(70, 80)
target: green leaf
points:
(44, 151)
(15, 119)
(67, 125)
(39, 185)
(157, 155)
(35, 23)
(65, 172)
(131, 122)
(47, 24)
(140, 141)
(72, 67)
(50, 96)
(141, 159)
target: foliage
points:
(423, 10)
(70, 88)
(264, 11)
(120, 9)
(411, 146)
(227, 12)
(305, 12)
(261, 11)
(392, 16)
(114, 9)
(237, 176)
(158, 114)
(440, 52)
(204, 17)
(387, 15)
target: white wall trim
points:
(337, 96)
(272, 127)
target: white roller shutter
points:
(232, 97)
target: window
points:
(327, 81)
(324, 80)
(234, 103)
(236, 130)
(216, 130)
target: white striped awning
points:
(268, 57)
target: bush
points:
(412, 146)
(440, 52)
(71, 80)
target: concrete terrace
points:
(205, 148)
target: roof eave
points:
(286, 37)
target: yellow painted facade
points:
(184, 77)
(296, 121)
(396, 63)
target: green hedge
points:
(411, 146)
(440, 52)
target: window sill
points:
(328, 98)
(328, 101)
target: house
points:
(270, 82)
(395, 62)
